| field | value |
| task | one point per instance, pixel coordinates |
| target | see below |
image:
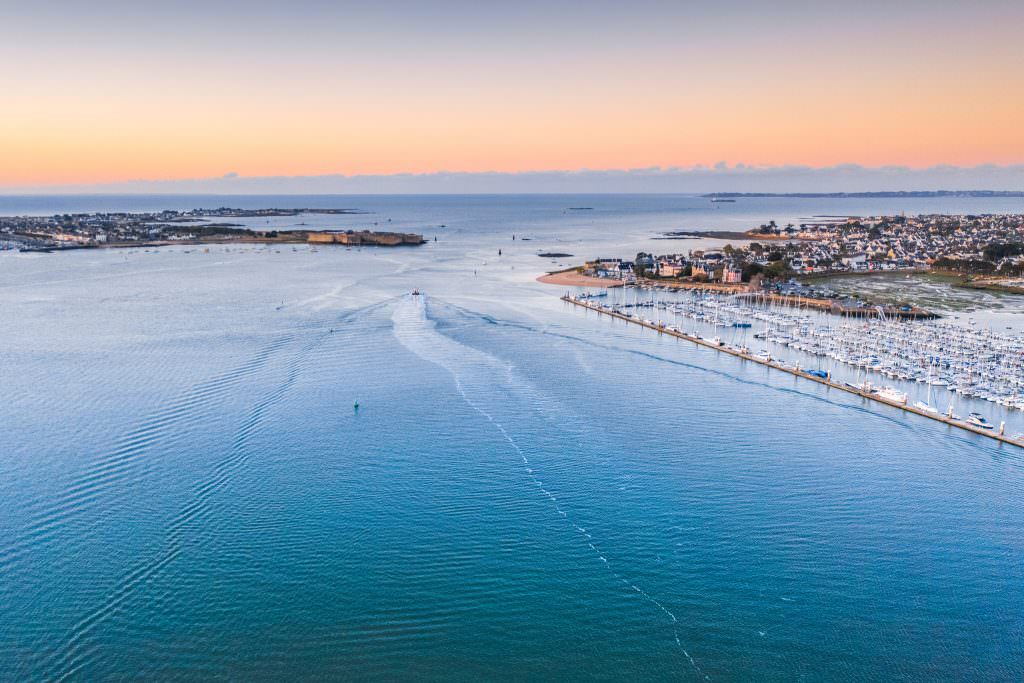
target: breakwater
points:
(798, 372)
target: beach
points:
(570, 278)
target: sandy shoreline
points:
(570, 278)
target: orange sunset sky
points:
(114, 91)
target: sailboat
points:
(927, 406)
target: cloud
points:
(695, 179)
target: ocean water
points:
(526, 491)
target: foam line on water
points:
(419, 334)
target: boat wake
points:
(188, 526)
(478, 377)
(127, 461)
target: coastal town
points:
(980, 249)
(197, 226)
(768, 288)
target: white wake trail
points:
(476, 373)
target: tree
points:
(778, 270)
(750, 270)
(967, 266)
(641, 263)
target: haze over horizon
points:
(696, 180)
(405, 96)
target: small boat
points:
(921, 405)
(415, 292)
(976, 420)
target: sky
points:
(112, 93)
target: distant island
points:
(867, 195)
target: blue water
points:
(526, 491)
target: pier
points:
(797, 372)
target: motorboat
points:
(976, 420)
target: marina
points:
(725, 314)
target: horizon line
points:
(698, 179)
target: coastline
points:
(290, 237)
(570, 278)
(992, 285)
(751, 235)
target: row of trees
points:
(998, 251)
(993, 253)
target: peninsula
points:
(199, 226)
